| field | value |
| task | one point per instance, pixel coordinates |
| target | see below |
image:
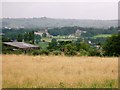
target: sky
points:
(105, 10)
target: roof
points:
(21, 45)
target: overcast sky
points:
(72, 10)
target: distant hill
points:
(44, 22)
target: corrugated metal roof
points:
(21, 45)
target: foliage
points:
(37, 39)
(5, 39)
(62, 31)
(97, 40)
(40, 52)
(19, 38)
(82, 46)
(70, 50)
(36, 52)
(94, 52)
(56, 52)
(83, 53)
(112, 46)
(45, 52)
(53, 44)
(29, 37)
(78, 46)
(13, 33)
(90, 32)
(70, 53)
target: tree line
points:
(111, 47)
(90, 32)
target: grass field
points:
(59, 72)
(59, 38)
(102, 35)
(47, 39)
(43, 45)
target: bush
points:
(40, 52)
(84, 53)
(94, 52)
(56, 52)
(36, 52)
(70, 53)
(45, 52)
(17, 52)
(112, 46)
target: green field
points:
(67, 39)
(59, 38)
(102, 35)
(47, 39)
(43, 45)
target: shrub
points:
(40, 52)
(84, 52)
(94, 52)
(45, 52)
(70, 53)
(18, 52)
(56, 52)
(36, 52)
(112, 46)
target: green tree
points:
(112, 46)
(82, 46)
(19, 38)
(70, 49)
(37, 39)
(53, 44)
(5, 39)
(29, 37)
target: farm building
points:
(21, 45)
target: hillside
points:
(44, 22)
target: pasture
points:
(22, 71)
(102, 36)
(60, 38)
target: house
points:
(21, 45)
(38, 33)
(41, 32)
(79, 32)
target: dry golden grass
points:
(0, 72)
(59, 71)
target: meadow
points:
(59, 38)
(23, 71)
(102, 35)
